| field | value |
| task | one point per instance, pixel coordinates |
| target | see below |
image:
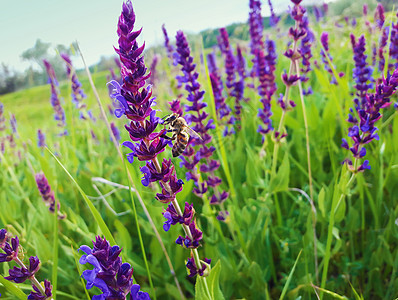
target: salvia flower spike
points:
(21, 273)
(78, 94)
(59, 114)
(199, 152)
(109, 274)
(136, 103)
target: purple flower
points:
(364, 130)
(13, 123)
(193, 269)
(256, 31)
(172, 217)
(274, 19)
(394, 45)
(305, 49)
(217, 86)
(37, 295)
(115, 131)
(222, 215)
(41, 139)
(109, 274)
(11, 251)
(20, 274)
(362, 73)
(189, 242)
(55, 102)
(325, 54)
(46, 193)
(136, 294)
(168, 46)
(379, 16)
(2, 118)
(77, 92)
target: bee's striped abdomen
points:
(180, 144)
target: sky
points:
(93, 23)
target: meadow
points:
(286, 202)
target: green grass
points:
(263, 251)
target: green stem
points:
(335, 204)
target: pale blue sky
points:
(93, 23)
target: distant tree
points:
(7, 79)
(37, 53)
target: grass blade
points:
(290, 277)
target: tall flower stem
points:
(115, 143)
(307, 142)
(277, 142)
(184, 227)
(335, 204)
(32, 278)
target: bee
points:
(181, 133)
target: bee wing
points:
(192, 133)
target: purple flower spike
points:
(110, 275)
(193, 269)
(325, 54)
(2, 118)
(168, 46)
(362, 73)
(379, 16)
(46, 193)
(364, 130)
(55, 102)
(11, 251)
(41, 139)
(20, 274)
(274, 19)
(136, 294)
(115, 131)
(78, 94)
(37, 295)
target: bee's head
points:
(170, 118)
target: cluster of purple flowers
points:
(2, 118)
(239, 84)
(20, 274)
(217, 86)
(325, 54)
(267, 87)
(136, 104)
(201, 124)
(77, 92)
(263, 64)
(255, 31)
(367, 114)
(47, 193)
(394, 45)
(274, 19)
(109, 274)
(155, 60)
(115, 131)
(362, 72)
(55, 102)
(41, 139)
(13, 124)
(169, 47)
(305, 51)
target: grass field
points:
(291, 234)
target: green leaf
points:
(124, 236)
(321, 202)
(212, 283)
(340, 211)
(281, 181)
(12, 288)
(104, 229)
(290, 277)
